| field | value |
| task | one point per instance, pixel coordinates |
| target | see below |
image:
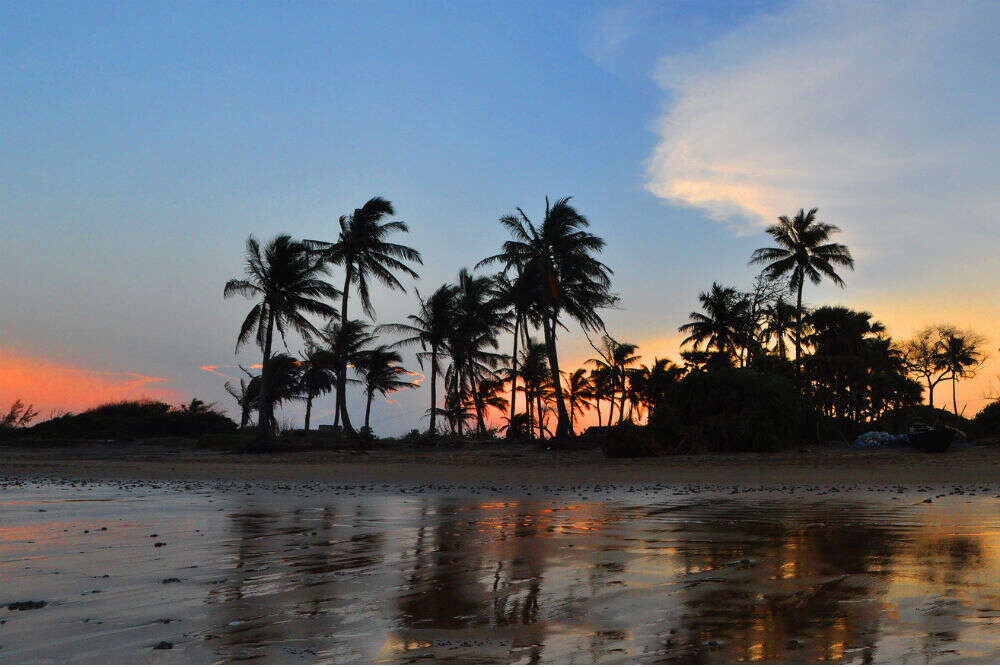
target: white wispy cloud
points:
(882, 114)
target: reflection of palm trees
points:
(779, 596)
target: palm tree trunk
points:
(513, 373)
(530, 410)
(342, 362)
(368, 410)
(597, 400)
(563, 429)
(434, 364)
(265, 408)
(954, 399)
(309, 407)
(480, 424)
(798, 329)
(541, 425)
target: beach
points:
(507, 465)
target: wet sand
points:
(968, 463)
(316, 571)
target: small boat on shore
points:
(930, 438)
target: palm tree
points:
(246, 395)
(803, 250)
(318, 375)
(536, 375)
(429, 327)
(478, 321)
(560, 256)
(579, 391)
(382, 372)
(778, 318)
(958, 353)
(720, 324)
(363, 251)
(602, 383)
(518, 295)
(287, 285)
(347, 340)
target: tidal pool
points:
(314, 573)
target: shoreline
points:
(969, 463)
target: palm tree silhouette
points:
(478, 321)
(803, 250)
(286, 282)
(318, 375)
(346, 340)
(519, 296)
(429, 327)
(579, 391)
(958, 352)
(560, 254)
(383, 373)
(778, 325)
(363, 251)
(720, 324)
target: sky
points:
(143, 142)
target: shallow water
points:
(309, 574)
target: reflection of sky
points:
(397, 576)
(144, 142)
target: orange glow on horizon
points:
(52, 386)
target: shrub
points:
(624, 440)
(986, 424)
(232, 441)
(128, 420)
(737, 409)
(899, 420)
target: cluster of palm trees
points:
(851, 368)
(549, 276)
(286, 279)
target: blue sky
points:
(142, 143)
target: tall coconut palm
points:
(429, 327)
(363, 251)
(383, 373)
(720, 323)
(287, 284)
(318, 376)
(959, 354)
(561, 254)
(803, 250)
(579, 393)
(536, 375)
(613, 359)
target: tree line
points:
(547, 275)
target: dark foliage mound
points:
(986, 424)
(737, 409)
(898, 421)
(129, 420)
(623, 441)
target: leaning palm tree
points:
(803, 251)
(959, 354)
(287, 285)
(318, 376)
(719, 324)
(382, 371)
(363, 251)
(429, 327)
(579, 391)
(560, 255)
